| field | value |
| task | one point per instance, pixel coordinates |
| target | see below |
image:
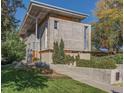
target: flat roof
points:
(40, 10)
(59, 8)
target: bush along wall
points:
(95, 64)
(69, 59)
(58, 55)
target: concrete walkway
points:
(76, 75)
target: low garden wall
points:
(110, 76)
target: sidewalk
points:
(70, 71)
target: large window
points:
(55, 24)
(85, 37)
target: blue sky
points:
(83, 6)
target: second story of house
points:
(50, 23)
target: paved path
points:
(70, 71)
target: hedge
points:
(92, 64)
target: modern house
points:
(44, 24)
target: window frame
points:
(85, 37)
(55, 24)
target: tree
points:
(55, 55)
(13, 49)
(108, 30)
(61, 52)
(8, 20)
(58, 55)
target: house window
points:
(55, 24)
(85, 37)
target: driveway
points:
(76, 75)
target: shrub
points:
(84, 63)
(13, 49)
(69, 59)
(107, 65)
(35, 59)
(77, 58)
(61, 52)
(42, 65)
(55, 55)
(93, 64)
(58, 55)
(118, 58)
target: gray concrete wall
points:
(29, 44)
(71, 32)
(44, 35)
(101, 75)
(43, 39)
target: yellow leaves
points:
(111, 14)
(110, 22)
(101, 4)
(107, 9)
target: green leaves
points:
(61, 52)
(13, 49)
(58, 53)
(8, 20)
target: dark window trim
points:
(55, 24)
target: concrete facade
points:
(72, 33)
(54, 24)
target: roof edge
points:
(60, 8)
(51, 6)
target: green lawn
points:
(22, 81)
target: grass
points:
(30, 81)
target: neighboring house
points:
(50, 23)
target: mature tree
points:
(108, 30)
(13, 49)
(8, 20)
